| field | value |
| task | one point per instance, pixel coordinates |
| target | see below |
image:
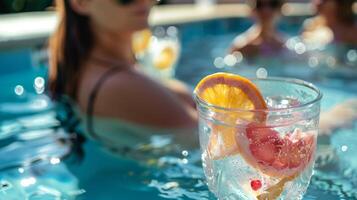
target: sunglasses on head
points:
(127, 2)
(324, 1)
(268, 4)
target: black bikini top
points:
(92, 97)
(91, 101)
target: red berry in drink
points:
(256, 184)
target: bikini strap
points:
(92, 97)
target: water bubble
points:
(19, 90)
(40, 91)
(262, 73)
(238, 55)
(185, 153)
(39, 82)
(344, 148)
(352, 55)
(159, 31)
(219, 62)
(331, 61)
(230, 60)
(313, 61)
(21, 170)
(28, 181)
(291, 42)
(39, 85)
(300, 48)
(172, 31)
(55, 161)
(184, 161)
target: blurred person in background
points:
(335, 23)
(330, 36)
(92, 63)
(262, 42)
(262, 39)
(334, 27)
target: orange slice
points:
(222, 142)
(165, 59)
(231, 92)
(141, 41)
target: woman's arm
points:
(133, 97)
(340, 116)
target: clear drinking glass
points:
(166, 51)
(269, 156)
(158, 51)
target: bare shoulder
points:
(246, 42)
(132, 96)
(247, 49)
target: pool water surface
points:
(32, 142)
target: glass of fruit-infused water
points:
(258, 137)
(157, 52)
(165, 52)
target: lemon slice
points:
(141, 41)
(229, 91)
(165, 59)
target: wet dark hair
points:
(70, 45)
(255, 3)
(345, 12)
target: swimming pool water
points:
(30, 150)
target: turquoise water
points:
(32, 143)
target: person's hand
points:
(341, 116)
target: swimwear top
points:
(121, 136)
(93, 96)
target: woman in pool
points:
(93, 64)
(335, 23)
(262, 38)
